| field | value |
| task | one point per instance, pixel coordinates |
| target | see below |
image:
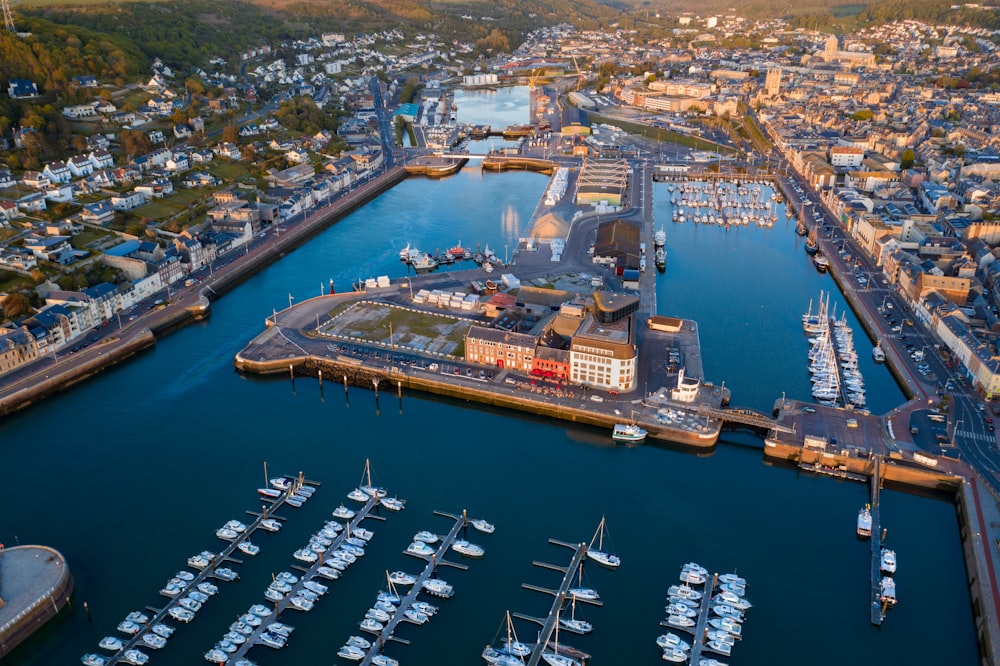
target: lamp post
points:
(955, 431)
(410, 285)
(290, 300)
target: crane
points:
(579, 74)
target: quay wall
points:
(979, 569)
(51, 380)
(31, 616)
(391, 382)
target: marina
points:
(182, 607)
(423, 582)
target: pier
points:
(159, 615)
(433, 562)
(552, 619)
(700, 629)
(307, 574)
(877, 607)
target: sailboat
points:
(575, 625)
(367, 486)
(597, 554)
(511, 654)
(554, 658)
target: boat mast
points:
(265, 474)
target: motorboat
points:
(425, 536)
(226, 534)
(138, 617)
(438, 587)
(483, 526)
(181, 614)
(294, 501)
(282, 483)
(628, 432)
(734, 600)
(888, 564)
(721, 636)
(135, 657)
(352, 549)
(372, 626)
(680, 621)
(333, 525)
(112, 643)
(91, 659)
(280, 629)
(388, 597)
(269, 493)
(556, 659)
(274, 595)
(241, 627)
(351, 652)
(248, 548)
(684, 592)
(226, 574)
(235, 637)
(129, 627)
(164, 630)
(402, 578)
(695, 567)
(352, 541)
(171, 589)
(201, 560)
(681, 601)
(584, 593)
(272, 640)
(725, 610)
(727, 624)
(287, 576)
(393, 504)
(681, 609)
(343, 512)
(467, 549)
(363, 534)
(692, 577)
(280, 585)
(722, 648)
(343, 556)
(190, 604)
(359, 642)
(328, 573)
(738, 590)
(317, 588)
(305, 555)
(251, 619)
(878, 354)
(887, 590)
(377, 614)
(672, 641)
(270, 524)
(387, 607)
(358, 495)
(732, 579)
(154, 641)
(675, 655)
(420, 548)
(424, 607)
(216, 656)
(382, 660)
(865, 522)
(710, 662)
(208, 588)
(236, 526)
(301, 603)
(198, 596)
(415, 616)
(260, 610)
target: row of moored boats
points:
(833, 360)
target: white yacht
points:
(270, 524)
(402, 578)
(732, 579)
(467, 549)
(720, 647)
(415, 616)
(438, 587)
(556, 659)
(216, 656)
(692, 577)
(112, 643)
(672, 641)
(248, 548)
(313, 586)
(675, 655)
(301, 603)
(343, 512)
(358, 495)
(681, 609)
(359, 642)
(208, 588)
(129, 627)
(575, 625)
(363, 534)
(425, 536)
(585, 593)
(273, 640)
(483, 526)
(393, 504)
(305, 555)
(888, 564)
(351, 652)
(377, 614)
(865, 522)
(370, 625)
(680, 621)
(154, 641)
(382, 660)
(181, 614)
(164, 630)
(135, 657)
(420, 548)
(727, 624)
(328, 573)
(226, 533)
(684, 592)
(598, 554)
(226, 574)
(425, 608)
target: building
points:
(17, 348)
(602, 180)
(499, 348)
(617, 244)
(603, 355)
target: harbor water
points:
(130, 473)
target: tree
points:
(16, 305)
(230, 134)
(907, 158)
(135, 143)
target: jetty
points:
(877, 607)
(430, 570)
(37, 584)
(307, 575)
(226, 555)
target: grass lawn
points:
(9, 280)
(159, 209)
(85, 238)
(229, 170)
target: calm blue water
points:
(131, 473)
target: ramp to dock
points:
(876, 545)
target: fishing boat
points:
(598, 554)
(425, 263)
(660, 237)
(661, 259)
(458, 252)
(628, 432)
(812, 247)
(865, 522)
(878, 354)
(821, 262)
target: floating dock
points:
(159, 615)
(307, 574)
(433, 562)
(878, 610)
